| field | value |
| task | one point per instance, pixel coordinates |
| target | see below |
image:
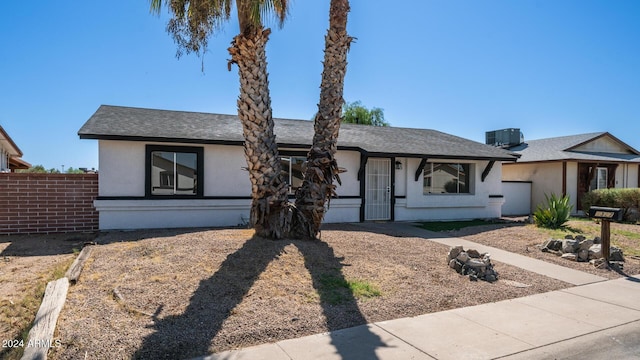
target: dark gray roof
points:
(563, 149)
(126, 123)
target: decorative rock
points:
(580, 238)
(490, 278)
(599, 263)
(463, 257)
(583, 255)
(615, 254)
(568, 237)
(585, 244)
(455, 265)
(473, 253)
(454, 252)
(569, 246)
(595, 251)
(552, 244)
(597, 240)
(570, 256)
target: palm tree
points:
(192, 22)
(317, 187)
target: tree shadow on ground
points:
(190, 334)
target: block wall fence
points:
(47, 203)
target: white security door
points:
(378, 190)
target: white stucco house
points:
(162, 168)
(573, 165)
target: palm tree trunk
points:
(317, 187)
(270, 210)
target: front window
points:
(292, 171)
(174, 171)
(446, 178)
(600, 179)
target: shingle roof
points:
(126, 123)
(561, 148)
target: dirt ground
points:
(26, 260)
(183, 293)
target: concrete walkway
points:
(531, 327)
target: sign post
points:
(606, 215)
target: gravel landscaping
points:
(184, 293)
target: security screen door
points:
(378, 190)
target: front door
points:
(378, 190)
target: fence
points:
(47, 203)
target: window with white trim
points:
(600, 179)
(446, 178)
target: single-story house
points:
(10, 154)
(573, 165)
(162, 168)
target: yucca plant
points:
(555, 214)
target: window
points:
(174, 171)
(292, 171)
(446, 178)
(600, 179)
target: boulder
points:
(580, 238)
(585, 244)
(454, 252)
(568, 236)
(597, 240)
(570, 246)
(615, 254)
(595, 251)
(552, 244)
(583, 255)
(570, 256)
(455, 265)
(463, 257)
(473, 253)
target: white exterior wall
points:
(477, 205)
(122, 174)
(546, 179)
(571, 185)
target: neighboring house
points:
(10, 154)
(573, 165)
(163, 168)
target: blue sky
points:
(548, 67)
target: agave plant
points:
(556, 212)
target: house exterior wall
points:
(546, 178)
(484, 201)
(4, 159)
(226, 197)
(227, 190)
(47, 203)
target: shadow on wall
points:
(190, 334)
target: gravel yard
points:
(180, 294)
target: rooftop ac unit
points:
(504, 138)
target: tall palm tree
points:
(317, 187)
(192, 22)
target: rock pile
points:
(472, 263)
(582, 249)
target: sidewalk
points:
(511, 329)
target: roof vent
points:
(504, 138)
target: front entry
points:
(378, 190)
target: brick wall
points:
(47, 203)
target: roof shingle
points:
(126, 123)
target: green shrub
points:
(626, 199)
(555, 214)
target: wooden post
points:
(605, 236)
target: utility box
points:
(504, 138)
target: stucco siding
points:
(546, 178)
(122, 166)
(476, 204)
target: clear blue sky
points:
(547, 67)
